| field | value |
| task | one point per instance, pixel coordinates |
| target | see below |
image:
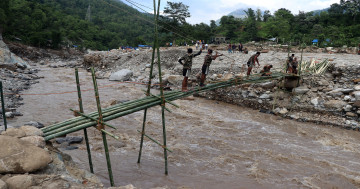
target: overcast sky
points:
(206, 10)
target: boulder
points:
(335, 104)
(335, 93)
(14, 132)
(350, 114)
(357, 104)
(357, 95)
(347, 98)
(347, 91)
(175, 79)
(265, 96)
(267, 85)
(122, 75)
(228, 76)
(357, 88)
(31, 131)
(18, 156)
(315, 102)
(283, 111)
(300, 90)
(3, 185)
(347, 108)
(20, 182)
(35, 124)
(70, 139)
(36, 140)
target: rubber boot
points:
(184, 84)
(202, 80)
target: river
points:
(215, 144)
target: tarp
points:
(315, 40)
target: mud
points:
(216, 145)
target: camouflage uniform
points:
(207, 62)
(187, 63)
(251, 61)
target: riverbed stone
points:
(122, 75)
(283, 111)
(315, 101)
(175, 79)
(14, 132)
(335, 104)
(357, 104)
(18, 156)
(3, 185)
(265, 96)
(351, 114)
(300, 90)
(36, 140)
(31, 131)
(357, 87)
(267, 85)
(347, 98)
(35, 124)
(347, 108)
(357, 95)
(70, 139)
(20, 182)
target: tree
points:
(266, 16)
(250, 24)
(351, 6)
(4, 10)
(258, 15)
(177, 11)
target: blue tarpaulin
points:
(315, 40)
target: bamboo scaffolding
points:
(148, 102)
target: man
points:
(266, 70)
(289, 62)
(240, 47)
(205, 68)
(251, 62)
(187, 66)
(294, 65)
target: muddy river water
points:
(215, 145)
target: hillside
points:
(51, 23)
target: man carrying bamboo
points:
(251, 62)
(205, 68)
(187, 66)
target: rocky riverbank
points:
(331, 98)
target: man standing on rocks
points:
(187, 66)
(205, 68)
(251, 62)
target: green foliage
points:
(52, 23)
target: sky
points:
(206, 10)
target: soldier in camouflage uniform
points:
(187, 66)
(251, 62)
(205, 68)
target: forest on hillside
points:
(108, 24)
(55, 23)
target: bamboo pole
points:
(82, 111)
(161, 87)
(101, 126)
(155, 141)
(148, 91)
(3, 105)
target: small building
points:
(315, 41)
